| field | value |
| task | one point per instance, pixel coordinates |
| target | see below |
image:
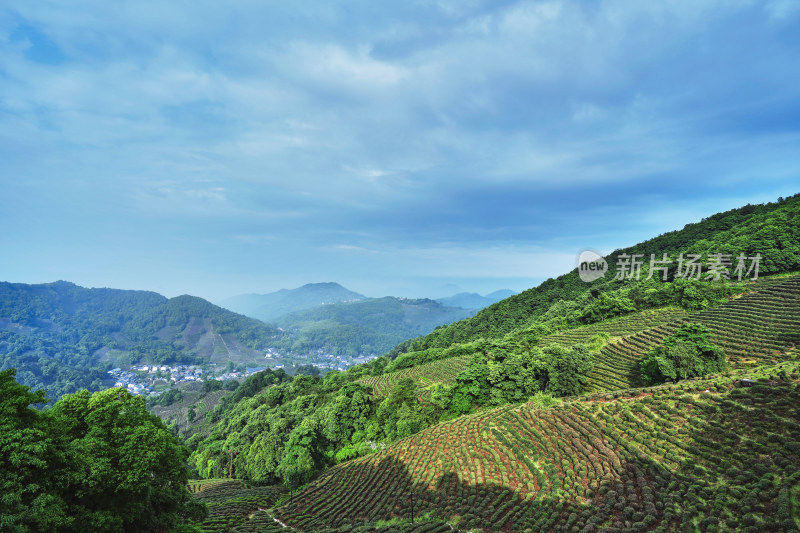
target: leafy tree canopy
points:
(686, 354)
(93, 462)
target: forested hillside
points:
(63, 337)
(752, 329)
(353, 413)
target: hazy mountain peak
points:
(269, 306)
(473, 300)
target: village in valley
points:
(152, 379)
(142, 379)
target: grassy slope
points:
(235, 506)
(701, 453)
(616, 328)
(446, 370)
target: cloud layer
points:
(217, 148)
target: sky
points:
(415, 148)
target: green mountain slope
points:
(615, 329)
(63, 337)
(752, 329)
(443, 371)
(703, 455)
(267, 307)
(772, 230)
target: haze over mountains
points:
(266, 307)
(473, 300)
(330, 319)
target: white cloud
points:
(332, 65)
(493, 261)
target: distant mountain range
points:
(63, 337)
(271, 306)
(328, 318)
(371, 326)
(267, 307)
(473, 300)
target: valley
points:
(621, 405)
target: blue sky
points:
(409, 148)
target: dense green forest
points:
(92, 462)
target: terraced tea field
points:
(751, 329)
(236, 506)
(703, 455)
(443, 371)
(616, 327)
(178, 413)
